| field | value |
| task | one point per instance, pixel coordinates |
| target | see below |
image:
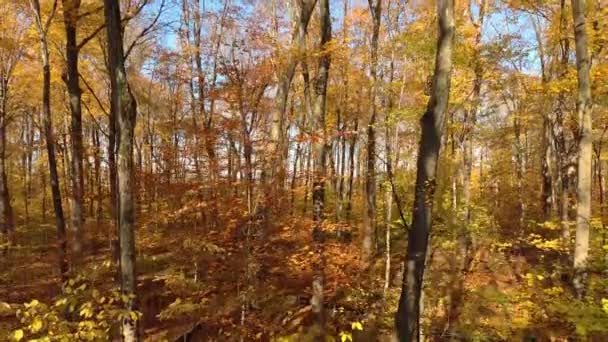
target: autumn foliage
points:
(270, 170)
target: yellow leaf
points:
(344, 337)
(18, 335)
(357, 326)
(36, 325)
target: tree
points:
(285, 74)
(584, 108)
(320, 159)
(126, 113)
(10, 54)
(71, 9)
(375, 7)
(432, 124)
(43, 29)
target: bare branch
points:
(146, 30)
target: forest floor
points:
(212, 271)
(194, 282)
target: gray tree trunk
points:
(583, 186)
(125, 107)
(319, 150)
(276, 166)
(70, 16)
(407, 319)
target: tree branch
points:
(146, 30)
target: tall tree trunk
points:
(6, 210)
(112, 166)
(307, 177)
(27, 139)
(351, 169)
(43, 202)
(345, 111)
(7, 223)
(456, 297)
(50, 138)
(407, 319)
(520, 172)
(375, 7)
(547, 195)
(97, 176)
(125, 106)
(70, 15)
(276, 168)
(583, 186)
(558, 117)
(467, 156)
(186, 18)
(319, 150)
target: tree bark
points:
(97, 176)
(351, 169)
(71, 77)
(7, 223)
(276, 166)
(407, 319)
(557, 122)
(583, 187)
(125, 107)
(49, 136)
(369, 229)
(547, 195)
(319, 150)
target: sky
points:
(497, 24)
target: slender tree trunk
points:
(432, 124)
(187, 20)
(583, 188)
(97, 176)
(43, 203)
(319, 150)
(388, 195)
(112, 167)
(6, 209)
(547, 196)
(70, 14)
(7, 223)
(520, 172)
(558, 118)
(65, 161)
(50, 138)
(375, 7)
(276, 166)
(307, 177)
(351, 169)
(26, 163)
(125, 107)
(345, 110)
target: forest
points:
(303, 170)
